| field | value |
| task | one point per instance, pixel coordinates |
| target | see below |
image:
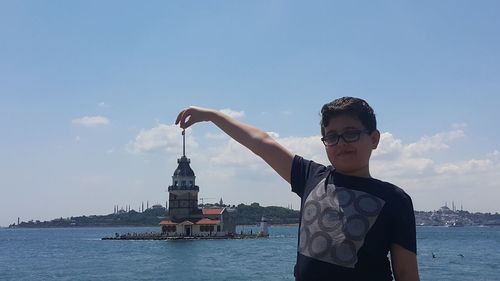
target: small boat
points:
(454, 223)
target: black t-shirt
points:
(348, 224)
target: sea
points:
(460, 253)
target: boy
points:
(349, 220)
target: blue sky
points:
(89, 91)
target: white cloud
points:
(233, 113)
(308, 147)
(495, 155)
(103, 105)
(412, 166)
(433, 143)
(160, 138)
(240, 165)
(464, 167)
(388, 148)
(235, 155)
(90, 121)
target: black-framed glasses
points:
(347, 136)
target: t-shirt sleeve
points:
(301, 170)
(403, 230)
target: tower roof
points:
(183, 169)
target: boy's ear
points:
(375, 137)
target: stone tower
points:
(183, 193)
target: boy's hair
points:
(353, 107)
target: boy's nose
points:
(341, 141)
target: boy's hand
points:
(191, 115)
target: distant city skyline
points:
(89, 93)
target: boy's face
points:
(352, 157)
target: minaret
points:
(183, 193)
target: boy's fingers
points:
(188, 123)
(186, 120)
(180, 117)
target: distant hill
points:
(250, 214)
(244, 214)
(149, 217)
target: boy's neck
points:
(362, 173)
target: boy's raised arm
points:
(258, 141)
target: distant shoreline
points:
(250, 215)
(240, 225)
(123, 226)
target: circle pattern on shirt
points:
(305, 237)
(311, 211)
(356, 227)
(320, 244)
(330, 219)
(367, 205)
(345, 197)
(320, 193)
(344, 253)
